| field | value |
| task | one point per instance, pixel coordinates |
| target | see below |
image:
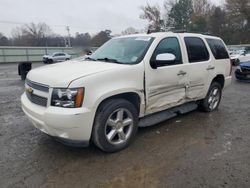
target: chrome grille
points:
(42, 101)
(37, 86)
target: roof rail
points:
(179, 31)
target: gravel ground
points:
(193, 150)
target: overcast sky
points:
(81, 15)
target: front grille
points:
(37, 86)
(245, 69)
(42, 101)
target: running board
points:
(167, 114)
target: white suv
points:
(130, 81)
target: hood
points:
(62, 74)
(245, 64)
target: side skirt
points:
(167, 114)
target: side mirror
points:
(166, 57)
(163, 60)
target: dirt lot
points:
(194, 150)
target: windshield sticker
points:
(143, 38)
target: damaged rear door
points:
(165, 85)
(200, 69)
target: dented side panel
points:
(165, 88)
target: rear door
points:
(62, 57)
(56, 57)
(200, 69)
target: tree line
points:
(42, 35)
(230, 21)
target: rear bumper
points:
(70, 126)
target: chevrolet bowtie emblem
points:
(29, 90)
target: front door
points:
(166, 85)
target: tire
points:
(213, 98)
(110, 134)
(23, 75)
(67, 59)
(50, 61)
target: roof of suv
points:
(162, 34)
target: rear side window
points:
(196, 49)
(218, 48)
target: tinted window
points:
(169, 45)
(218, 48)
(196, 49)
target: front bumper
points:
(241, 76)
(68, 125)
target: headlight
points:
(67, 98)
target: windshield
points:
(129, 50)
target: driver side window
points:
(169, 45)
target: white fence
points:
(32, 54)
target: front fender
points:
(112, 94)
(106, 84)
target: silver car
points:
(56, 57)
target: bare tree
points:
(129, 31)
(32, 34)
(153, 15)
(202, 7)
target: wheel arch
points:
(134, 97)
(220, 79)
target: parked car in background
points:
(239, 56)
(242, 72)
(131, 81)
(56, 57)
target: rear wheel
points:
(115, 125)
(213, 98)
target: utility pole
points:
(68, 30)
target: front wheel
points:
(50, 61)
(115, 125)
(213, 98)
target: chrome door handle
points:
(210, 68)
(182, 73)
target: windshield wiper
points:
(91, 59)
(106, 59)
